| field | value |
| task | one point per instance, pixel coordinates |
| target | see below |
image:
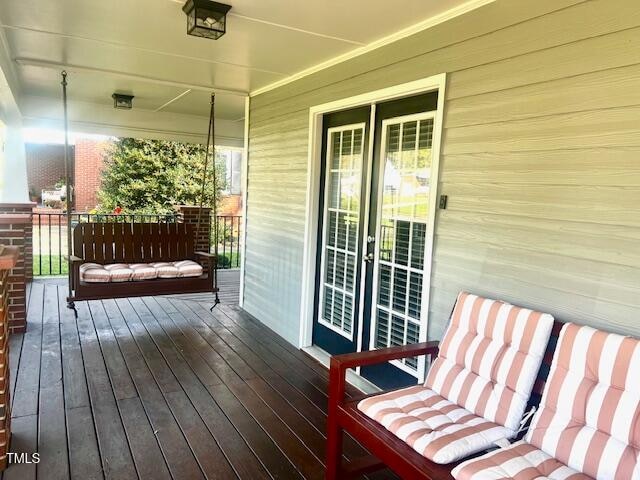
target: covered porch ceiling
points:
(141, 48)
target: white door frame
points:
(314, 163)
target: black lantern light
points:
(206, 18)
(120, 100)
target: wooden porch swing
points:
(103, 254)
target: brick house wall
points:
(230, 206)
(45, 166)
(89, 161)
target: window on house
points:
(231, 158)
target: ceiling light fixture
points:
(120, 100)
(205, 18)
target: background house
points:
(45, 168)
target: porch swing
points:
(118, 259)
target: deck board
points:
(160, 387)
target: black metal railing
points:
(228, 235)
(50, 237)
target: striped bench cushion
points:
(489, 358)
(589, 416)
(588, 424)
(433, 426)
(477, 388)
(521, 461)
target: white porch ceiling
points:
(141, 48)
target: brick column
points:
(16, 229)
(189, 214)
(8, 259)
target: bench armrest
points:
(339, 365)
(205, 254)
(74, 259)
(371, 357)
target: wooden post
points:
(334, 432)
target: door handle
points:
(368, 258)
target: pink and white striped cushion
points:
(94, 273)
(165, 269)
(142, 271)
(188, 268)
(477, 388)
(119, 272)
(433, 426)
(589, 416)
(521, 461)
(588, 424)
(489, 358)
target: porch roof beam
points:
(131, 76)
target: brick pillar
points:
(16, 229)
(8, 259)
(189, 214)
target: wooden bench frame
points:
(388, 450)
(106, 243)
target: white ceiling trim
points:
(394, 37)
(174, 99)
(143, 78)
(295, 29)
(134, 47)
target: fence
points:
(50, 237)
(228, 235)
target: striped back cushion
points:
(589, 416)
(489, 358)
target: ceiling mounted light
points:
(120, 100)
(205, 18)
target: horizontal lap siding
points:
(540, 159)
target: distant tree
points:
(150, 176)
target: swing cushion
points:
(143, 271)
(119, 272)
(188, 268)
(165, 269)
(94, 273)
(122, 272)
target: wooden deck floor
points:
(160, 388)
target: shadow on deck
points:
(160, 388)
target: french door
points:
(373, 238)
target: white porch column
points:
(13, 165)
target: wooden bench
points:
(387, 449)
(108, 243)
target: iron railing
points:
(50, 237)
(228, 235)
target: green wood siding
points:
(541, 162)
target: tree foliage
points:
(151, 176)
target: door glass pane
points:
(341, 228)
(403, 216)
